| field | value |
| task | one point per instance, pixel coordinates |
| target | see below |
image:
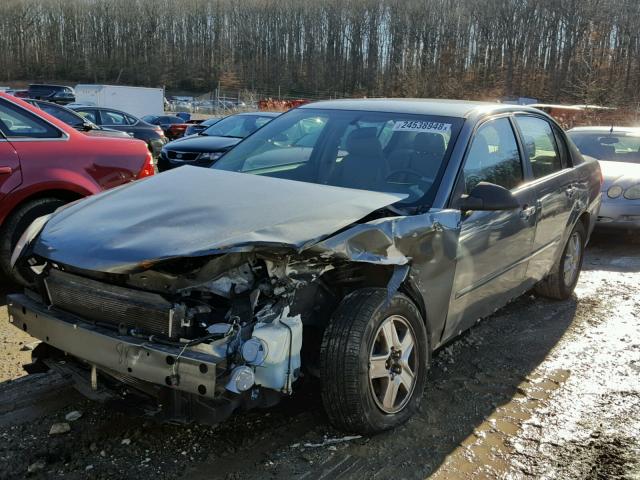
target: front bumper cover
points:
(619, 213)
(193, 373)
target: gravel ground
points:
(541, 389)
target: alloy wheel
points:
(393, 364)
(572, 257)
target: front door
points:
(10, 176)
(494, 247)
(10, 173)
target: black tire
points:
(554, 285)
(13, 228)
(348, 393)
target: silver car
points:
(618, 151)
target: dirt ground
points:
(540, 389)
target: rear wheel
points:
(374, 359)
(13, 228)
(562, 280)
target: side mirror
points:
(88, 126)
(489, 196)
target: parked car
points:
(45, 163)
(618, 150)
(152, 135)
(53, 93)
(172, 126)
(371, 233)
(201, 127)
(74, 120)
(205, 148)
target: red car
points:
(172, 126)
(44, 163)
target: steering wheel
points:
(409, 171)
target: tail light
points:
(147, 168)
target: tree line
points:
(579, 51)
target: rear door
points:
(116, 120)
(555, 190)
(90, 114)
(494, 247)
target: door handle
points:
(528, 211)
(6, 170)
(570, 191)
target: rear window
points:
(613, 147)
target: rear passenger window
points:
(539, 145)
(493, 157)
(18, 123)
(88, 115)
(112, 118)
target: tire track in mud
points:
(592, 427)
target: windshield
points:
(238, 126)
(615, 147)
(386, 152)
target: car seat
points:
(364, 166)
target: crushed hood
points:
(193, 211)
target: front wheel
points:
(13, 228)
(562, 279)
(374, 359)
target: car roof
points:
(605, 129)
(438, 107)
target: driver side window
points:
(493, 157)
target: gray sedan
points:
(618, 150)
(345, 240)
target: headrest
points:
(479, 147)
(530, 146)
(363, 141)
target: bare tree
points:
(562, 50)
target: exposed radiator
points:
(101, 302)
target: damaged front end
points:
(213, 321)
(220, 331)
